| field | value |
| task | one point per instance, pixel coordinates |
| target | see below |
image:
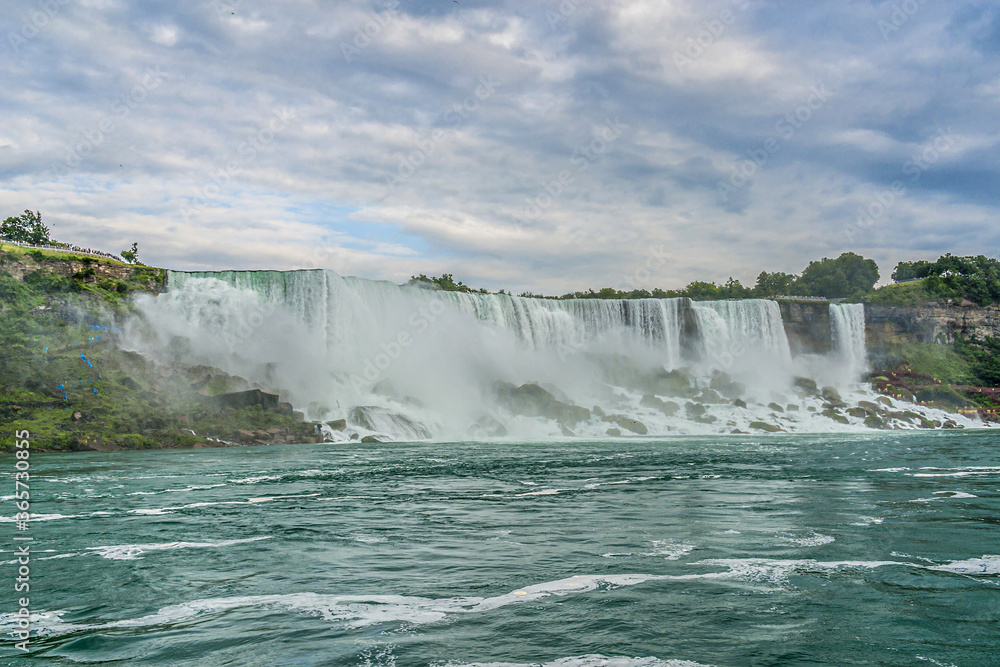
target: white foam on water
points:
(134, 551)
(255, 480)
(868, 521)
(989, 564)
(671, 550)
(543, 492)
(248, 501)
(814, 540)
(969, 471)
(41, 517)
(593, 660)
(777, 571)
(354, 611)
(945, 495)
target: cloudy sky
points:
(527, 144)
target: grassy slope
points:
(136, 405)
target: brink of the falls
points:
(407, 363)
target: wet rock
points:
(859, 412)
(926, 423)
(668, 408)
(884, 401)
(487, 427)
(598, 412)
(831, 413)
(710, 396)
(806, 385)
(774, 406)
(874, 421)
(791, 407)
(566, 431)
(614, 433)
(740, 403)
(764, 426)
(671, 383)
(869, 406)
(832, 397)
(245, 399)
(736, 431)
(337, 424)
(531, 400)
(374, 438)
(695, 409)
(726, 386)
(627, 423)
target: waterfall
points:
(847, 333)
(413, 362)
(731, 330)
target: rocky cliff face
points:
(88, 269)
(807, 325)
(931, 322)
(889, 328)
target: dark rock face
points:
(627, 423)
(530, 400)
(807, 325)
(246, 399)
(888, 326)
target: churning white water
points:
(410, 362)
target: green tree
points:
(773, 284)
(700, 290)
(25, 228)
(132, 255)
(847, 275)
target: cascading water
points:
(847, 333)
(732, 329)
(410, 362)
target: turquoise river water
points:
(874, 549)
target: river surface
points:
(795, 550)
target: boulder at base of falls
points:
(764, 426)
(695, 409)
(383, 420)
(337, 424)
(726, 386)
(671, 383)
(487, 427)
(831, 413)
(774, 406)
(531, 400)
(874, 421)
(627, 423)
(832, 396)
(368, 439)
(668, 408)
(806, 385)
(740, 403)
(614, 433)
(710, 396)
